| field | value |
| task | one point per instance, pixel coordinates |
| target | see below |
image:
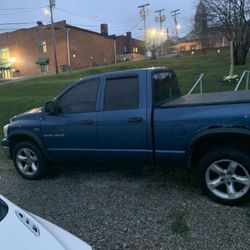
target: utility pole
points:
(231, 72)
(68, 48)
(175, 13)
(161, 19)
(143, 14)
(52, 5)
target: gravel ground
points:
(129, 207)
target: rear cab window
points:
(165, 86)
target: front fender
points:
(23, 135)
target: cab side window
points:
(81, 98)
(121, 94)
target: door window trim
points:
(81, 81)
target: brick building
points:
(202, 36)
(128, 48)
(28, 52)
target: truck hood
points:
(36, 112)
(20, 229)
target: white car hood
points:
(20, 230)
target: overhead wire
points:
(22, 8)
(17, 13)
(83, 15)
(1, 24)
(87, 16)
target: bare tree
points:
(232, 18)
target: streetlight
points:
(162, 35)
(46, 11)
(178, 26)
(12, 60)
(153, 35)
(68, 48)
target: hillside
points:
(23, 95)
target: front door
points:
(71, 134)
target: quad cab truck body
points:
(139, 116)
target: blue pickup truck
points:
(139, 116)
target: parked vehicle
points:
(139, 116)
(20, 229)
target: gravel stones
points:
(128, 207)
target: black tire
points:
(219, 172)
(29, 161)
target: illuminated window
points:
(192, 47)
(42, 47)
(4, 55)
(135, 50)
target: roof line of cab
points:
(127, 71)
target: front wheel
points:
(225, 175)
(29, 160)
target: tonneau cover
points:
(216, 98)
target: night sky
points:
(121, 16)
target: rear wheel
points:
(225, 175)
(29, 160)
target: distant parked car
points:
(21, 230)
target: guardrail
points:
(199, 82)
(247, 74)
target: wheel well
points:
(20, 138)
(210, 142)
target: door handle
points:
(135, 119)
(87, 122)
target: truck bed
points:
(216, 98)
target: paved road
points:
(14, 79)
(130, 207)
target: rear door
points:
(122, 123)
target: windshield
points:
(3, 209)
(165, 86)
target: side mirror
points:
(50, 108)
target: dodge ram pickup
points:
(139, 116)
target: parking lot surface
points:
(130, 207)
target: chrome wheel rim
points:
(27, 161)
(227, 179)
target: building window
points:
(42, 47)
(192, 47)
(125, 49)
(4, 55)
(135, 50)
(183, 48)
(44, 68)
